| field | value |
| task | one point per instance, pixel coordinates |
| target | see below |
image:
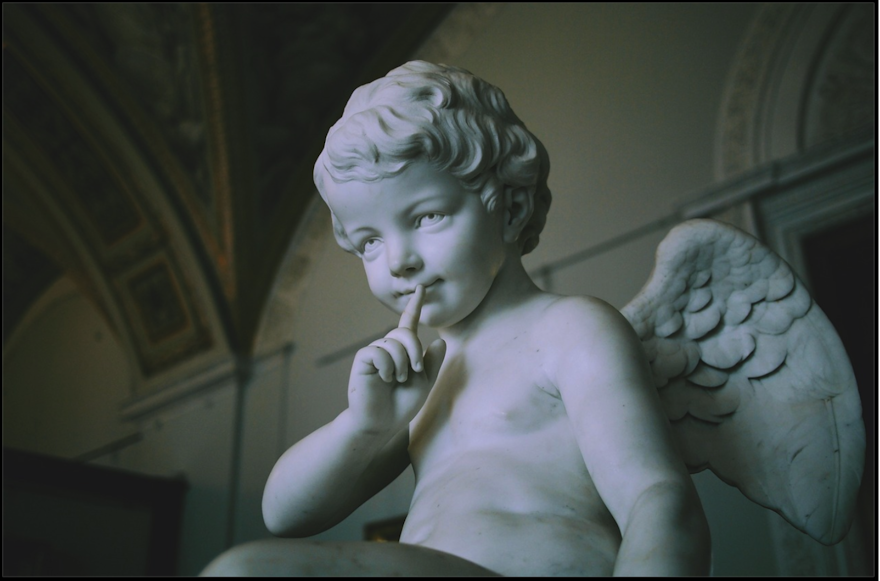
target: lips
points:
(413, 289)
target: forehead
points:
(418, 182)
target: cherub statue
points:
(538, 426)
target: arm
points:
(325, 476)
(605, 383)
(322, 478)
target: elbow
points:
(287, 524)
(270, 517)
(675, 508)
(697, 528)
(677, 500)
(277, 527)
(690, 523)
(694, 523)
(274, 529)
(274, 517)
(685, 510)
(693, 518)
(702, 536)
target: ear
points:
(518, 205)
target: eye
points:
(369, 245)
(429, 219)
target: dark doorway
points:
(841, 266)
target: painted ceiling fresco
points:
(125, 124)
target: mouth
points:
(410, 291)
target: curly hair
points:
(448, 117)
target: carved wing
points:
(752, 375)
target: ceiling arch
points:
(805, 75)
(161, 153)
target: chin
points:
(440, 319)
(431, 319)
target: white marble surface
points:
(534, 427)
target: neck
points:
(512, 288)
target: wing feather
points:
(752, 376)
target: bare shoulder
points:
(588, 337)
(583, 322)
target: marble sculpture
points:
(548, 435)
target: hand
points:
(390, 378)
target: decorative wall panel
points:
(166, 325)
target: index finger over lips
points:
(409, 319)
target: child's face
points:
(422, 227)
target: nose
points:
(402, 259)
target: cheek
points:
(379, 285)
(482, 256)
(466, 248)
(373, 279)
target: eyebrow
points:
(407, 209)
(427, 198)
(358, 229)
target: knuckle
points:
(406, 337)
(382, 344)
(366, 352)
(389, 347)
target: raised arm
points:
(605, 383)
(325, 476)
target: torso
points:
(500, 479)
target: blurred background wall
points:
(175, 305)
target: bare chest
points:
(486, 398)
(498, 466)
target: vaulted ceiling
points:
(161, 154)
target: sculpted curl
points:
(448, 117)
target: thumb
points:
(434, 359)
